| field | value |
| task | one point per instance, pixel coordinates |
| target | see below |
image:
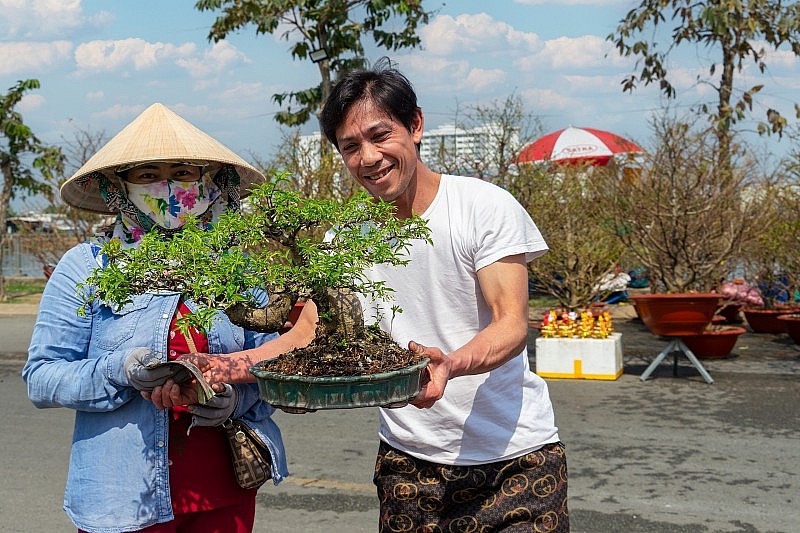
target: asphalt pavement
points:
(669, 455)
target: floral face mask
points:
(169, 203)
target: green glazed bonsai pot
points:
(301, 394)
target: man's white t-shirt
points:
(482, 418)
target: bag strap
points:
(189, 340)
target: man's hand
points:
(437, 373)
(138, 371)
(171, 394)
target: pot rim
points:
(259, 372)
(720, 330)
(667, 295)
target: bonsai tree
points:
(686, 215)
(276, 244)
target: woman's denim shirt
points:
(118, 476)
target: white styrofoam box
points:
(558, 357)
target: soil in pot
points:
(714, 343)
(791, 324)
(766, 320)
(327, 356)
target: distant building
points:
(40, 223)
(451, 148)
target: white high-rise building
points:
(458, 148)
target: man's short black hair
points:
(385, 86)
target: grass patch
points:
(20, 290)
(538, 301)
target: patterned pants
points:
(528, 493)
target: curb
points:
(19, 310)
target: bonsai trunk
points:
(264, 319)
(340, 313)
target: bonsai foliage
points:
(274, 245)
(583, 251)
(684, 217)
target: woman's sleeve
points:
(59, 371)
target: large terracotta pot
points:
(676, 315)
(714, 343)
(766, 320)
(792, 325)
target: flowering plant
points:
(572, 326)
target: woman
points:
(134, 466)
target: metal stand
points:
(677, 345)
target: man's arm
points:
(505, 287)
(235, 367)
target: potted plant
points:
(737, 294)
(791, 324)
(683, 217)
(772, 260)
(714, 342)
(277, 244)
(583, 257)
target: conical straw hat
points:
(158, 134)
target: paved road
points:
(670, 455)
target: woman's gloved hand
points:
(216, 410)
(142, 374)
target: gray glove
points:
(216, 410)
(141, 370)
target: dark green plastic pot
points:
(300, 394)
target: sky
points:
(102, 62)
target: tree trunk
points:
(724, 111)
(267, 319)
(5, 200)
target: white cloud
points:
(588, 85)
(27, 57)
(119, 112)
(95, 95)
(550, 99)
(43, 19)
(446, 35)
(30, 102)
(781, 58)
(245, 91)
(440, 74)
(588, 51)
(216, 59)
(120, 55)
(479, 80)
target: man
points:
(478, 447)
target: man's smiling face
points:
(379, 151)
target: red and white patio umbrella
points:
(574, 145)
